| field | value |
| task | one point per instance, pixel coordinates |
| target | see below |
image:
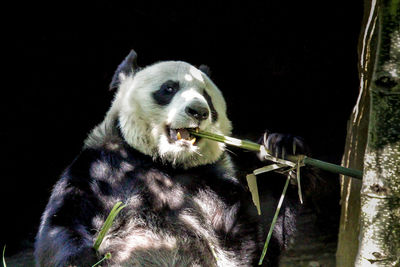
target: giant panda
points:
(186, 203)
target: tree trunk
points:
(380, 193)
(356, 141)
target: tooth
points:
(193, 140)
(178, 135)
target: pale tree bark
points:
(356, 141)
(380, 193)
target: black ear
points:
(128, 66)
(205, 69)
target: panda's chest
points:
(168, 215)
(171, 195)
(161, 191)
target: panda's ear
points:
(205, 69)
(128, 66)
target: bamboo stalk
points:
(256, 147)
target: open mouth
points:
(182, 135)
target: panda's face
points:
(162, 103)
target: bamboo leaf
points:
(4, 260)
(107, 224)
(268, 168)
(298, 181)
(281, 161)
(274, 220)
(252, 183)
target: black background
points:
(286, 66)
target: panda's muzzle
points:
(182, 134)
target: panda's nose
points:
(198, 112)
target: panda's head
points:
(157, 106)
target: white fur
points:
(143, 121)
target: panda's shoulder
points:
(100, 162)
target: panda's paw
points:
(282, 145)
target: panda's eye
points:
(169, 89)
(165, 94)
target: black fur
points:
(214, 113)
(98, 178)
(128, 65)
(165, 94)
(80, 196)
(206, 69)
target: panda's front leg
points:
(271, 184)
(63, 246)
(278, 145)
(283, 145)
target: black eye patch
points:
(214, 113)
(164, 95)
